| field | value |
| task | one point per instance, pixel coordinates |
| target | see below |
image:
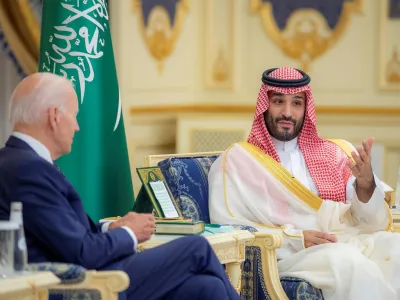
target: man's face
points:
(67, 125)
(285, 115)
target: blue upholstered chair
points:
(187, 178)
(77, 283)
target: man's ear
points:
(54, 116)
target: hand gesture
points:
(362, 169)
(313, 238)
(143, 225)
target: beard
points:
(284, 135)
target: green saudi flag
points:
(76, 43)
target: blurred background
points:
(190, 70)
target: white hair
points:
(48, 90)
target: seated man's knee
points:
(209, 287)
(349, 254)
(197, 242)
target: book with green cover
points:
(183, 227)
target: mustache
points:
(285, 119)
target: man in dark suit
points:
(43, 114)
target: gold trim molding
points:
(160, 35)
(328, 110)
(304, 46)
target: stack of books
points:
(170, 226)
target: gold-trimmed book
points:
(155, 196)
(179, 227)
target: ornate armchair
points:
(187, 178)
(79, 283)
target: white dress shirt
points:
(293, 160)
(43, 152)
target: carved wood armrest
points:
(268, 244)
(107, 283)
(390, 198)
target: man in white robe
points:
(320, 195)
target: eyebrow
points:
(280, 94)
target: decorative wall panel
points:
(206, 140)
(219, 36)
(389, 46)
(305, 29)
(161, 22)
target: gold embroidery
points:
(291, 235)
(280, 173)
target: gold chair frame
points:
(108, 283)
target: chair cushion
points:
(187, 178)
(299, 289)
(78, 294)
(67, 273)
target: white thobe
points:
(293, 160)
(246, 188)
(373, 212)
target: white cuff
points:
(293, 237)
(374, 213)
(133, 236)
(375, 203)
(104, 227)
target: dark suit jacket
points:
(56, 226)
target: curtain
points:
(19, 20)
(19, 50)
(8, 81)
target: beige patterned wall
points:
(203, 140)
(7, 86)
(217, 62)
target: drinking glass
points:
(7, 235)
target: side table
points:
(229, 247)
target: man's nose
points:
(287, 111)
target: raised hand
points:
(362, 170)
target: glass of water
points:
(7, 235)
